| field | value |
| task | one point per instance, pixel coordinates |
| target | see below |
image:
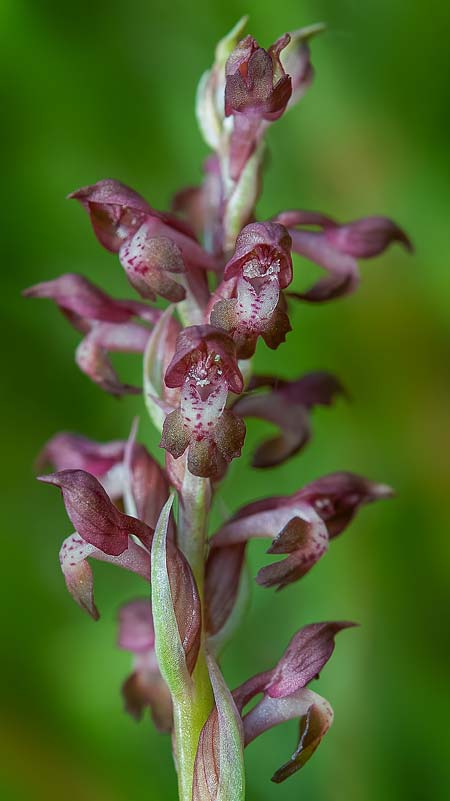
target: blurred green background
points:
(105, 89)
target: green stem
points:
(191, 712)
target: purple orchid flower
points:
(106, 534)
(205, 368)
(254, 277)
(288, 406)
(106, 324)
(152, 246)
(285, 696)
(300, 525)
(336, 247)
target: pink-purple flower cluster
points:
(228, 277)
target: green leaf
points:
(169, 648)
(219, 766)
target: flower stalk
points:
(227, 279)
(191, 713)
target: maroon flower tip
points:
(256, 83)
(307, 653)
(92, 513)
(336, 247)
(112, 192)
(366, 238)
(50, 478)
(115, 210)
(338, 496)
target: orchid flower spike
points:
(227, 277)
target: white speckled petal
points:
(77, 572)
(201, 415)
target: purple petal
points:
(222, 577)
(313, 389)
(265, 518)
(229, 436)
(294, 217)
(343, 271)
(146, 688)
(256, 83)
(366, 238)
(293, 420)
(251, 688)
(304, 658)
(316, 717)
(205, 460)
(190, 202)
(136, 633)
(304, 542)
(67, 451)
(296, 530)
(175, 436)
(287, 407)
(240, 55)
(297, 63)
(116, 211)
(315, 713)
(92, 514)
(120, 338)
(75, 294)
(336, 248)
(93, 360)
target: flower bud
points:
(256, 83)
(296, 60)
(210, 92)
